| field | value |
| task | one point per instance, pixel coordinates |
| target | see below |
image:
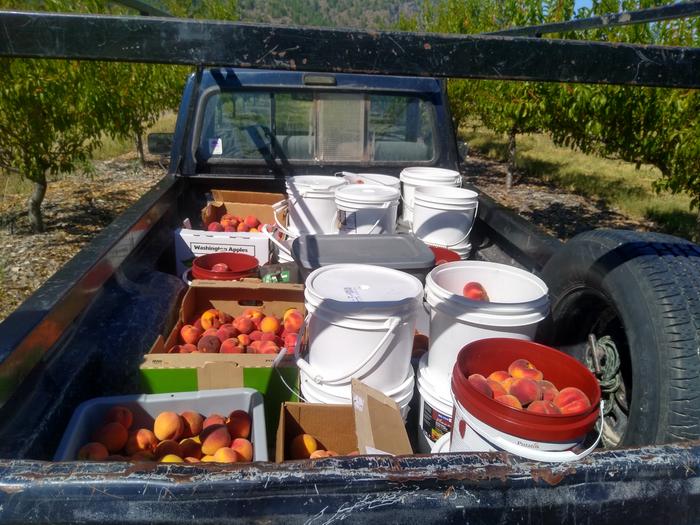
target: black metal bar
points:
(206, 43)
(144, 8)
(642, 16)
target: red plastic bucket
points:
(240, 265)
(443, 255)
(535, 436)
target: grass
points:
(617, 183)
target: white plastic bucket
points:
(311, 202)
(442, 445)
(435, 414)
(414, 177)
(463, 251)
(367, 208)
(282, 243)
(312, 392)
(469, 434)
(518, 302)
(360, 323)
(372, 178)
(444, 216)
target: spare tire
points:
(639, 295)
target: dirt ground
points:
(79, 207)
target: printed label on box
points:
(199, 248)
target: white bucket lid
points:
(379, 178)
(366, 194)
(532, 307)
(316, 183)
(439, 196)
(361, 290)
(422, 175)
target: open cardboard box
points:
(162, 372)
(371, 425)
(190, 243)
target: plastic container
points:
(360, 324)
(281, 242)
(90, 415)
(311, 203)
(463, 251)
(435, 413)
(518, 302)
(442, 445)
(444, 216)
(372, 178)
(414, 177)
(400, 252)
(444, 255)
(240, 266)
(483, 424)
(367, 208)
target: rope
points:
(607, 370)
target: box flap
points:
(223, 374)
(247, 197)
(379, 426)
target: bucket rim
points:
(377, 178)
(429, 174)
(367, 194)
(424, 193)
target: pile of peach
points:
(305, 446)
(234, 223)
(252, 332)
(188, 437)
(524, 387)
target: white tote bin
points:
(444, 216)
(367, 209)
(414, 177)
(311, 202)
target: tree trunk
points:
(36, 198)
(139, 149)
(511, 159)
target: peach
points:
(318, 454)
(268, 347)
(287, 312)
(244, 339)
(524, 368)
(543, 407)
(209, 344)
(220, 267)
(197, 323)
(269, 325)
(499, 375)
(302, 446)
(191, 460)
(510, 401)
(112, 435)
(475, 292)
(254, 230)
(251, 221)
(479, 382)
(241, 227)
(243, 448)
(228, 228)
(256, 322)
(141, 440)
(226, 455)
(243, 324)
(187, 348)
(190, 334)
(193, 423)
(526, 390)
(231, 346)
(496, 388)
(121, 415)
(549, 391)
(332, 453)
(213, 419)
(190, 448)
(210, 319)
(168, 425)
(253, 313)
(256, 335)
(253, 347)
(208, 458)
(211, 331)
(214, 437)
(93, 451)
(171, 458)
(239, 423)
(506, 383)
(167, 446)
(293, 321)
(268, 336)
(226, 331)
(290, 341)
(215, 227)
(570, 400)
(228, 220)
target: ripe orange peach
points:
(241, 227)
(187, 348)
(318, 454)
(244, 339)
(290, 341)
(243, 324)
(479, 382)
(570, 400)
(226, 455)
(121, 415)
(543, 407)
(268, 336)
(228, 220)
(239, 424)
(499, 375)
(209, 344)
(213, 419)
(524, 368)
(171, 458)
(214, 437)
(190, 448)
(287, 312)
(302, 446)
(211, 331)
(168, 425)
(253, 313)
(243, 448)
(231, 346)
(93, 451)
(293, 321)
(208, 458)
(506, 383)
(167, 446)
(253, 347)
(190, 334)
(526, 390)
(510, 401)
(256, 335)
(210, 319)
(268, 347)
(270, 324)
(193, 423)
(251, 221)
(215, 227)
(496, 388)
(549, 391)
(112, 435)
(226, 331)
(475, 292)
(141, 440)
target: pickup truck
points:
(624, 303)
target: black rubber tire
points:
(651, 282)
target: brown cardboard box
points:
(242, 203)
(372, 425)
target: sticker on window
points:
(215, 146)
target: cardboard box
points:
(371, 425)
(162, 372)
(190, 243)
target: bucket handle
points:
(277, 208)
(270, 236)
(384, 206)
(315, 375)
(464, 238)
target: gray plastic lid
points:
(401, 252)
